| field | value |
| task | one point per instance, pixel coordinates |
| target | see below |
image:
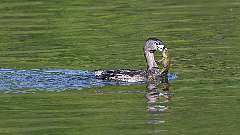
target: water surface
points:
(86, 35)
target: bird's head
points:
(153, 44)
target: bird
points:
(151, 45)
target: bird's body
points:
(129, 75)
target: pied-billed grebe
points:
(150, 47)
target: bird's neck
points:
(151, 63)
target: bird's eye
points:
(156, 43)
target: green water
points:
(203, 37)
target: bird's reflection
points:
(158, 94)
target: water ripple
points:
(53, 80)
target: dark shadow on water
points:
(21, 81)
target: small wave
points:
(53, 80)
